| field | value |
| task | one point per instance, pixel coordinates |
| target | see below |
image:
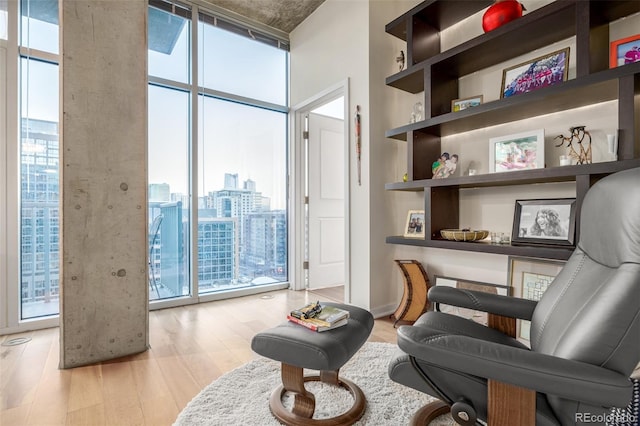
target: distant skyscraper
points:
(249, 185)
(168, 242)
(172, 261)
(40, 223)
(159, 192)
(265, 245)
(217, 252)
(263, 204)
(239, 239)
(230, 181)
(183, 198)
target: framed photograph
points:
(544, 71)
(414, 228)
(528, 279)
(462, 104)
(480, 317)
(624, 51)
(521, 151)
(547, 222)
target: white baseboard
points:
(383, 311)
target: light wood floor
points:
(330, 293)
(190, 347)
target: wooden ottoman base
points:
(304, 403)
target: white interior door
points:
(326, 201)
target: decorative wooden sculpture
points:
(579, 135)
(416, 285)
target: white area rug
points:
(241, 397)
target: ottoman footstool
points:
(297, 348)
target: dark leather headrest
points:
(610, 219)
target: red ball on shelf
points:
(501, 12)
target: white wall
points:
(330, 46)
(388, 157)
(346, 39)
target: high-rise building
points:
(232, 202)
(230, 181)
(265, 249)
(159, 192)
(239, 239)
(168, 239)
(40, 208)
(217, 252)
(249, 185)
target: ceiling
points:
(283, 15)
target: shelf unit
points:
(437, 73)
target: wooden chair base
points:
(429, 412)
(304, 402)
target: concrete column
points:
(104, 291)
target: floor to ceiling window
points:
(222, 155)
(4, 34)
(29, 154)
(169, 150)
(217, 153)
(39, 159)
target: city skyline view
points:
(234, 161)
(241, 241)
(242, 135)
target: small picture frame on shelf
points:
(477, 316)
(414, 227)
(544, 71)
(464, 103)
(549, 222)
(529, 279)
(521, 151)
(624, 51)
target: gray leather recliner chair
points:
(585, 331)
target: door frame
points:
(297, 186)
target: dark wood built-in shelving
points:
(437, 14)
(596, 88)
(436, 73)
(558, 253)
(521, 177)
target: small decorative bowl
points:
(463, 235)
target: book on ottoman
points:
(319, 318)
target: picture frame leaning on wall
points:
(549, 222)
(414, 226)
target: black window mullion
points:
(172, 7)
(241, 30)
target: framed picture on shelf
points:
(462, 104)
(544, 71)
(480, 317)
(624, 51)
(529, 279)
(414, 227)
(548, 222)
(521, 151)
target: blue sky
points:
(236, 138)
